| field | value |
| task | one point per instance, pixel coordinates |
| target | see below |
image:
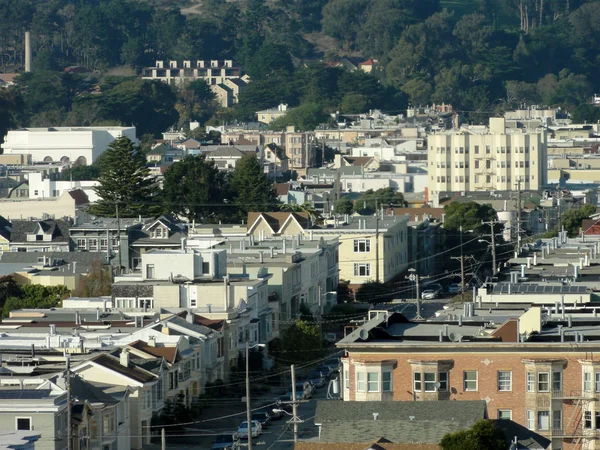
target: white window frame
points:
(465, 381)
(387, 381)
(93, 244)
(347, 379)
(81, 241)
(430, 385)
(417, 381)
(530, 382)
(365, 243)
(501, 411)
(373, 382)
(587, 381)
(365, 266)
(360, 382)
(547, 382)
(530, 419)
(589, 420)
(597, 381)
(502, 383)
(30, 418)
(103, 244)
(540, 425)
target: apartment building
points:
(530, 366)
(493, 158)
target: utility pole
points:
(69, 412)
(414, 277)
(319, 318)
(163, 440)
(248, 410)
(118, 237)
(492, 224)
(376, 241)
(294, 404)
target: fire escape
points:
(485, 171)
(575, 432)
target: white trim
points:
(256, 222)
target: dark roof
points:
(277, 219)
(151, 365)
(176, 232)
(213, 324)
(526, 439)
(83, 259)
(24, 394)
(80, 197)
(415, 422)
(378, 444)
(58, 229)
(5, 228)
(168, 353)
(84, 390)
(131, 371)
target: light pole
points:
(414, 277)
(248, 408)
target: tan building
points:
(269, 115)
(535, 370)
(490, 158)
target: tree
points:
(305, 117)
(585, 113)
(354, 104)
(371, 200)
(306, 207)
(301, 343)
(250, 188)
(124, 180)
(573, 218)
(34, 296)
(343, 206)
(193, 187)
(375, 292)
(469, 215)
(81, 173)
(96, 283)
(483, 435)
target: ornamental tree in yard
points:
(125, 180)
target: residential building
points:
(274, 160)
(41, 186)
(300, 150)
(267, 116)
(70, 204)
(226, 158)
(41, 411)
(494, 158)
(39, 236)
(530, 365)
(214, 72)
(69, 145)
(121, 372)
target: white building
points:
(41, 186)
(79, 145)
(494, 158)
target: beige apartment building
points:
(487, 158)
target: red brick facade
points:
(487, 361)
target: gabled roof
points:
(190, 143)
(132, 371)
(84, 390)
(368, 62)
(58, 229)
(225, 152)
(398, 421)
(168, 353)
(213, 324)
(277, 220)
(358, 160)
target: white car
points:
(243, 429)
(428, 294)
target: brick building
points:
(538, 369)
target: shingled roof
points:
(401, 422)
(58, 229)
(277, 219)
(131, 371)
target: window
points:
(93, 244)
(103, 244)
(386, 382)
(597, 381)
(470, 380)
(346, 379)
(81, 244)
(23, 423)
(530, 419)
(443, 387)
(362, 245)
(543, 382)
(597, 420)
(557, 381)
(557, 419)
(477, 149)
(373, 382)
(150, 271)
(505, 414)
(587, 419)
(543, 420)
(93, 429)
(362, 269)
(360, 381)
(417, 381)
(429, 381)
(587, 381)
(530, 382)
(505, 381)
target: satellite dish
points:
(452, 337)
(363, 334)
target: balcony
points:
(575, 394)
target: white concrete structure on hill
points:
(77, 145)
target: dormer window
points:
(159, 233)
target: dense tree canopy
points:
(483, 434)
(469, 215)
(573, 218)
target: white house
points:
(80, 145)
(41, 186)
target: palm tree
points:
(306, 207)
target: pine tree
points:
(192, 186)
(125, 179)
(251, 189)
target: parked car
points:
(303, 390)
(226, 442)
(429, 294)
(285, 406)
(333, 364)
(317, 378)
(263, 417)
(326, 371)
(255, 429)
(437, 287)
(454, 288)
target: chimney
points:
(575, 271)
(261, 257)
(535, 258)
(375, 416)
(586, 261)
(183, 242)
(52, 329)
(152, 341)
(74, 265)
(523, 270)
(189, 318)
(460, 320)
(77, 318)
(441, 337)
(569, 321)
(97, 313)
(27, 51)
(124, 357)
(529, 263)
